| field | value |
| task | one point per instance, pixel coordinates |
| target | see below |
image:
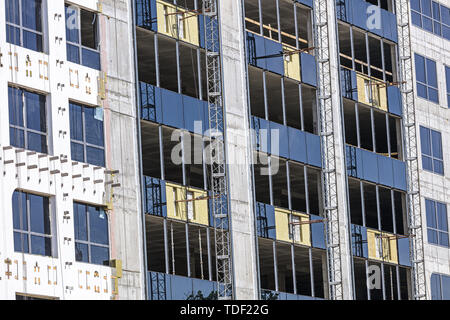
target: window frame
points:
(79, 45)
(25, 128)
(426, 83)
(29, 233)
(23, 28)
(84, 142)
(431, 156)
(436, 218)
(447, 81)
(435, 21)
(88, 242)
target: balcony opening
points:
(375, 281)
(297, 181)
(360, 51)
(156, 257)
(354, 194)
(302, 271)
(405, 283)
(319, 262)
(390, 282)
(376, 61)
(146, 56)
(381, 138)
(284, 268)
(193, 159)
(395, 137)
(252, 21)
(287, 22)
(351, 130)
(365, 128)
(269, 19)
(274, 97)
(266, 264)
(360, 273)
(292, 104)
(198, 252)
(279, 183)
(173, 167)
(314, 191)
(177, 248)
(345, 46)
(370, 205)
(309, 109)
(189, 71)
(151, 159)
(167, 55)
(401, 223)
(262, 189)
(256, 85)
(387, 221)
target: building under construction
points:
(224, 149)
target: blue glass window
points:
(431, 16)
(437, 224)
(432, 155)
(27, 120)
(31, 224)
(91, 234)
(86, 134)
(447, 79)
(426, 78)
(24, 23)
(440, 287)
(82, 37)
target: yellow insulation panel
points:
(292, 64)
(200, 207)
(195, 211)
(389, 250)
(367, 87)
(176, 210)
(177, 23)
(302, 232)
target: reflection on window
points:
(86, 133)
(437, 225)
(82, 37)
(31, 224)
(426, 78)
(91, 234)
(27, 120)
(24, 23)
(432, 155)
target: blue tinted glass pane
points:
(15, 106)
(432, 236)
(72, 31)
(426, 7)
(446, 32)
(436, 13)
(41, 246)
(17, 138)
(80, 221)
(435, 287)
(437, 28)
(95, 156)
(76, 122)
(19, 205)
(13, 35)
(427, 24)
(99, 255)
(91, 58)
(445, 13)
(73, 53)
(422, 91)
(443, 239)
(415, 5)
(21, 242)
(32, 41)
(77, 151)
(12, 11)
(98, 226)
(427, 163)
(416, 19)
(445, 287)
(441, 216)
(431, 213)
(420, 68)
(35, 108)
(31, 14)
(431, 73)
(438, 166)
(81, 252)
(94, 127)
(436, 142)
(37, 142)
(39, 214)
(433, 95)
(425, 139)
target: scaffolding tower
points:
(329, 181)
(411, 154)
(217, 150)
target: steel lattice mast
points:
(329, 180)
(411, 152)
(218, 179)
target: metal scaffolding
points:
(411, 153)
(219, 202)
(329, 181)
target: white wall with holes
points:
(54, 174)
